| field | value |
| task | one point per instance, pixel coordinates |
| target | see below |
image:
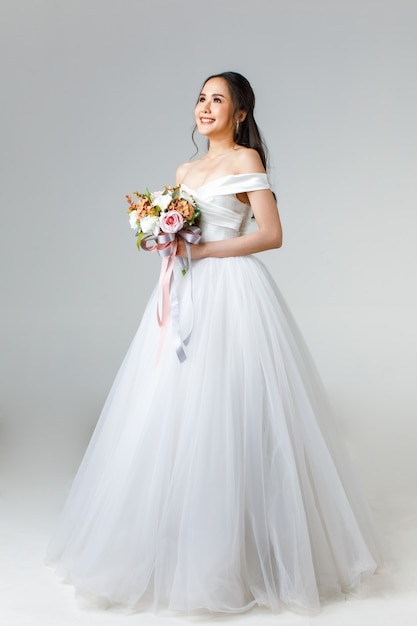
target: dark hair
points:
(243, 98)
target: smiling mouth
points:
(206, 120)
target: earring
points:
(237, 128)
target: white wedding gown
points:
(218, 483)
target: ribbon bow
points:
(166, 246)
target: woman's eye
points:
(201, 99)
(216, 99)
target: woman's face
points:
(214, 109)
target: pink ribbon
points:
(166, 246)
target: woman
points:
(218, 483)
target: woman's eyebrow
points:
(213, 94)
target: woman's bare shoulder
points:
(248, 161)
(182, 172)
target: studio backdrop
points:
(97, 100)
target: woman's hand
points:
(197, 249)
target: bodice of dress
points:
(223, 216)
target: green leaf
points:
(139, 239)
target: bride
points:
(219, 483)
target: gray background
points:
(97, 99)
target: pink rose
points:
(171, 222)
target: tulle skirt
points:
(219, 483)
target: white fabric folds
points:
(218, 483)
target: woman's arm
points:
(265, 210)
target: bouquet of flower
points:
(159, 219)
(169, 211)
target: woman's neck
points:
(218, 148)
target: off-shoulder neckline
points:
(220, 178)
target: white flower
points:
(133, 219)
(160, 199)
(149, 225)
